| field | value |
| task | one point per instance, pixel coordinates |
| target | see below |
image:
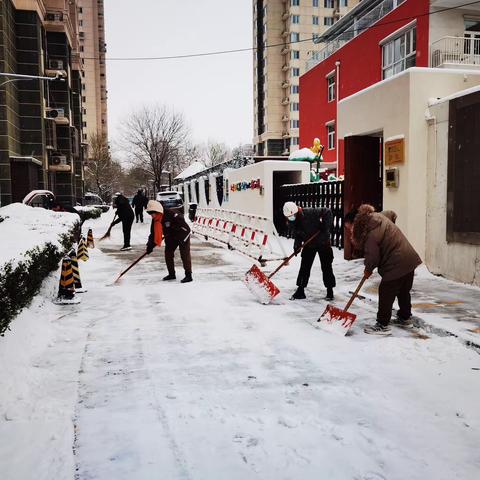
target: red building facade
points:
(354, 67)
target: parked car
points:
(46, 199)
(94, 200)
(40, 198)
(170, 199)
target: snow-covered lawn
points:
(147, 380)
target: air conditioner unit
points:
(55, 64)
(55, 113)
(58, 160)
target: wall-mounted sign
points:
(395, 152)
(242, 186)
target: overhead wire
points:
(283, 44)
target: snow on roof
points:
(302, 154)
(25, 227)
(193, 169)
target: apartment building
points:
(43, 122)
(94, 81)
(283, 33)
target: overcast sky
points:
(214, 93)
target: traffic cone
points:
(82, 252)
(76, 273)
(66, 288)
(90, 242)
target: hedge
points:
(90, 214)
(19, 283)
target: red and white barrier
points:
(252, 235)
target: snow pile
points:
(25, 228)
(193, 169)
(304, 154)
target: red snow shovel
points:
(261, 285)
(337, 320)
(130, 267)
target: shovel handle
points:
(355, 293)
(285, 262)
(131, 266)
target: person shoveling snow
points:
(385, 247)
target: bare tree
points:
(103, 175)
(216, 153)
(154, 137)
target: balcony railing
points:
(453, 51)
(352, 29)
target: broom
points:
(107, 234)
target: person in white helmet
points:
(306, 222)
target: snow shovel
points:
(107, 234)
(337, 320)
(130, 267)
(261, 285)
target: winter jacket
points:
(156, 232)
(124, 210)
(139, 201)
(175, 228)
(309, 221)
(383, 244)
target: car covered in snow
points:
(94, 200)
(170, 199)
(46, 199)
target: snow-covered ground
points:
(24, 228)
(147, 379)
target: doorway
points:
(363, 176)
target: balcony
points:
(455, 52)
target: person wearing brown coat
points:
(386, 248)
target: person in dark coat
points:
(386, 248)
(177, 235)
(126, 216)
(139, 202)
(306, 222)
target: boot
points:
(329, 295)
(188, 278)
(299, 294)
(170, 276)
(378, 329)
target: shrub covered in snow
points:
(33, 242)
(89, 213)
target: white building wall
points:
(400, 107)
(458, 261)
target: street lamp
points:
(17, 77)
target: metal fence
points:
(323, 194)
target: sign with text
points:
(395, 152)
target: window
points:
(294, 141)
(295, 18)
(295, 55)
(294, 89)
(331, 88)
(328, 3)
(295, 3)
(327, 21)
(331, 136)
(463, 214)
(295, 72)
(294, 107)
(315, 20)
(294, 123)
(294, 37)
(315, 3)
(399, 53)
(344, 3)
